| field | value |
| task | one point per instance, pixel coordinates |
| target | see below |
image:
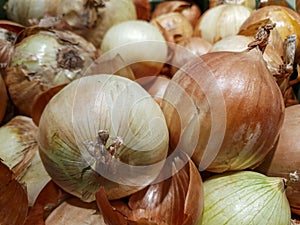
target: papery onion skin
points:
(253, 110)
(284, 158)
(3, 98)
(147, 46)
(245, 197)
(221, 21)
(43, 59)
(102, 102)
(287, 23)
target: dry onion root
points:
(44, 58)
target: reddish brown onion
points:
(284, 158)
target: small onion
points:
(188, 9)
(287, 23)
(234, 43)
(90, 19)
(43, 59)
(187, 49)
(102, 130)
(146, 45)
(233, 107)
(284, 158)
(221, 21)
(245, 197)
(174, 26)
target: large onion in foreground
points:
(103, 130)
(245, 197)
(232, 108)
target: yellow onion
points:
(249, 3)
(13, 198)
(231, 106)
(102, 130)
(146, 45)
(187, 49)
(174, 26)
(177, 200)
(188, 9)
(3, 98)
(245, 197)
(272, 2)
(283, 159)
(287, 23)
(90, 19)
(221, 21)
(233, 43)
(42, 59)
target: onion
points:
(272, 2)
(221, 21)
(249, 3)
(187, 49)
(245, 197)
(102, 130)
(287, 23)
(188, 9)
(175, 201)
(231, 106)
(3, 99)
(13, 198)
(283, 159)
(233, 43)
(174, 26)
(43, 59)
(90, 19)
(148, 48)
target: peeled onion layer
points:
(68, 132)
(245, 197)
(232, 108)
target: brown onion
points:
(287, 23)
(188, 9)
(174, 201)
(272, 2)
(232, 106)
(187, 49)
(174, 26)
(284, 158)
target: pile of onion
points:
(283, 160)
(103, 130)
(225, 109)
(90, 19)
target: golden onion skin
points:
(237, 108)
(245, 197)
(68, 129)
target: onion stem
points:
(293, 178)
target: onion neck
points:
(293, 178)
